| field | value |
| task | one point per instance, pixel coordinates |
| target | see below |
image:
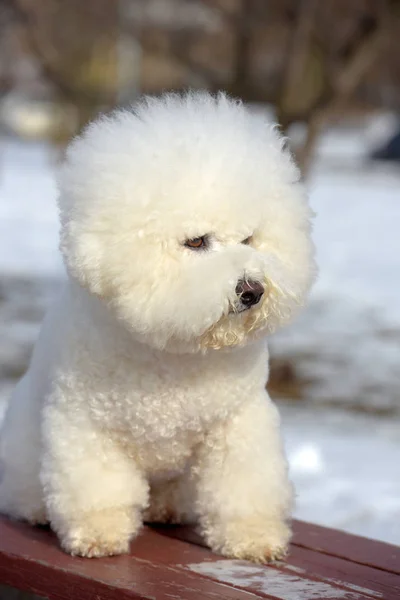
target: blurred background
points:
(329, 73)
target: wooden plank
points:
(312, 564)
(162, 567)
(282, 581)
(351, 547)
(31, 560)
(380, 583)
(159, 567)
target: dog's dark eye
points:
(198, 243)
(248, 240)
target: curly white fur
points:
(146, 394)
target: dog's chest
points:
(159, 420)
(156, 404)
(158, 397)
(160, 406)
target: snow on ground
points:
(345, 469)
(28, 215)
(345, 348)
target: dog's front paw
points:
(101, 533)
(81, 544)
(257, 540)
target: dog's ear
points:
(82, 250)
(285, 240)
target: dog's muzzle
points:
(249, 293)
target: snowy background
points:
(342, 422)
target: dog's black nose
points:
(249, 292)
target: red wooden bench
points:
(171, 563)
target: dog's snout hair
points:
(249, 292)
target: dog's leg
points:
(244, 495)
(21, 494)
(94, 492)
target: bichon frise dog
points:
(186, 235)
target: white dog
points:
(186, 235)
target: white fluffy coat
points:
(145, 398)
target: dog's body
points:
(146, 393)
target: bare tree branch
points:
(52, 60)
(243, 29)
(346, 84)
(298, 53)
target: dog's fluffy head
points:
(139, 183)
